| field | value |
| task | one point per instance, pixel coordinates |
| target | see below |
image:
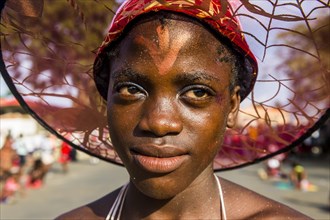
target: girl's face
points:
(169, 104)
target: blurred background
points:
(42, 176)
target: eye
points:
(197, 93)
(129, 90)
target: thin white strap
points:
(114, 209)
(122, 203)
(222, 201)
(119, 202)
(114, 205)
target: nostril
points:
(160, 125)
(160, 116)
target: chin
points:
(160, 187)
(158, 192)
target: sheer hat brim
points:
(48, 53)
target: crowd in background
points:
(26, 160)
(262, 137)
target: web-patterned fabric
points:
(48, 49)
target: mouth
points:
(159, 159)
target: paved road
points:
(86, 182)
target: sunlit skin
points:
(150, 105)
(169, 104)
(164, 51)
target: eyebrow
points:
(185, 77)
(128, 73)
(195, 77)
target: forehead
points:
(162, 44)
(177, 28)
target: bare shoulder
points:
(94, 210)
(242, 203)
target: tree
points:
(308, 64)
(54, 45)
(49, 48)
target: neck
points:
(199, 200)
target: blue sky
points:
(3, 87)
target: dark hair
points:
(241, 67)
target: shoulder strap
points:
(119, 202)
(222, 201)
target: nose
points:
(160, 118)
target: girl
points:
(173, 83)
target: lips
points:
(159, 159)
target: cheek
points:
(118, 124)
(207, 129)
(118, 130)
(121, 116)
(112, 123)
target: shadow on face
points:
(169, 103)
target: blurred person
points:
(10, 187)
(272, 170)
(298, 177)
(273, 167)
(37, 174)
(21, 149)
(274, 164)
(64, 157)
(73, 155)
(3, 178)
(47, 150)
(7, 155)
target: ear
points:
(235, 101)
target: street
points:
(86, 182)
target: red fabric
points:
(210, 11)
(65, 153)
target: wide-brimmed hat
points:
(51, 56)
